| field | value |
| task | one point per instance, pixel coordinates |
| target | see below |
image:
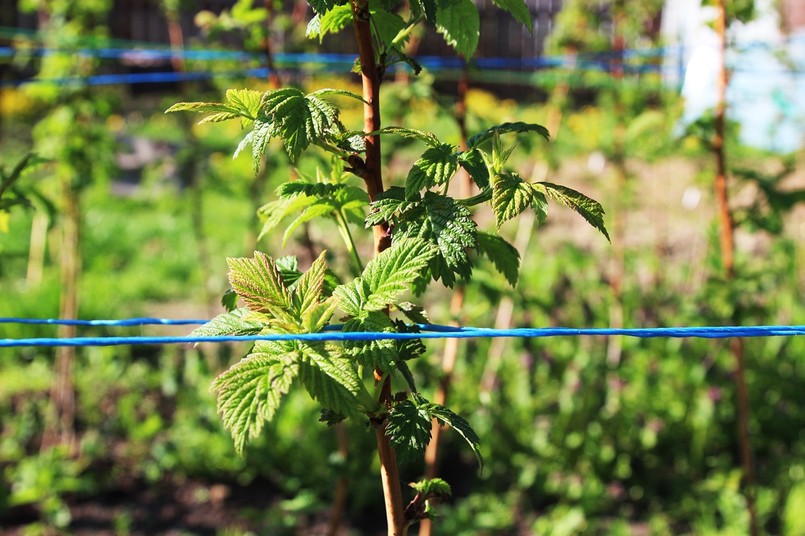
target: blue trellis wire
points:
(429, 331)
(125, 322)
(322, 64)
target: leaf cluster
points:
(457, 21)
(296, 118)
(306, 200)
(409, 427)
(250, 392)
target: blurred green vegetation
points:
(574, 443)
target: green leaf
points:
(296, 118)
(352, 296)
(331, 22)
(243, 103)
(318, 316)
(437, 219)
(385, 277)
(257, 281)
(229, 300)
(392, 271)
(387, 24)
(506, 128)
(235, 322)
(323, 6)
(519, 10)
(316, 189)
(408, 349)
(473, 162)
(420, 135)
(408, 429)
(387, 205)
(246, 101)
(450, 226)
(376, 354)
(502, 254)
(318, 209)
(333, 381)
(336, 92)
(589, 209)
(426, 7)
(405, 372)
(436, 166)
(250, 391)
(259, 137)
(511, 195)
(200, 107)
(414, 313)
(8, 179)
(292, 121)
(460, 425)
(330, 417)
(219, 117)
(433, 488)
(308, 288)
(459, 24)
(273, 212)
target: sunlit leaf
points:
(459, 23)
(589, 209)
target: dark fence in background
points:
(142, 20)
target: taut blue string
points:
(126, 322)
(430, 331)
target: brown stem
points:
(371, 173)
(722, 196)
(389, 470)
(176, 39)
(370, 82)
(727, 242)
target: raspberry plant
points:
(421, 234)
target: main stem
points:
(372, 176)
(727, 241)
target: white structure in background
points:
(766, 94)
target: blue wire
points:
(432, 332)
(123, 322)
(597, 62)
